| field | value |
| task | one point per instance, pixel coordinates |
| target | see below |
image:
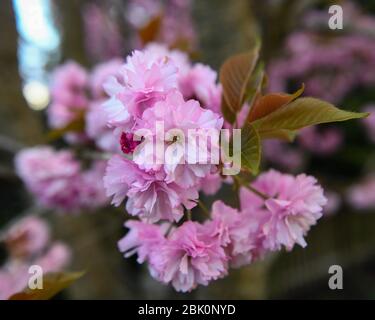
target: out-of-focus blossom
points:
(103, 39)
(92, 193)
(322, 142)
(176, 27)
(362, 195)
(333, 203)
(100, 74)
(283, 155)
(140, 12)
(27, 237)
(68, 92)
(330, 67)
(355, 19)
(96, 128)
(56, 180)
(211, 183)
(28, 243)
(56, 258)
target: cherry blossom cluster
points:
(157, 85)
(276, 210)
(27, 243)
(196, 253)
(56, 180)
(125, 107)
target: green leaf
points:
(53, 283)
(250, 149)
(286, 135)
(234, 77)
(301, 113)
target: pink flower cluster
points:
(28, 243)
(330, 66)
(76, 93)
(57, 181)
(196, 253)
(158, 85)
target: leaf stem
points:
(251, 188)
(189, 215)
(204, 208)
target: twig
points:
(251, 188)
(204, 208)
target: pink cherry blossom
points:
(142, 238)
(144, 79)
(293, 206)
(189, 257)
(238, 232)
(175, 113)
(179, 58)
(200, 84)
(149, 195)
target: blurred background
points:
(298, 47)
